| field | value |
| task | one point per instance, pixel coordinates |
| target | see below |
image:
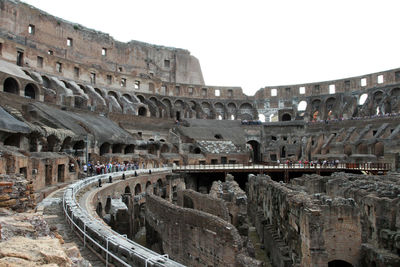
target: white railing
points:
(84, 223)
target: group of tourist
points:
(103, 168)
(387, 115)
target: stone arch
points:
(66, 144)
(127, 190)
(107, 208)
(315, 109)
(329, 108)
(128, 97)
(286, 117)
(129, 149)
(255, 150)
(52, 142)
(168, 104)
(114, 94)
(31, 91)
(220, 109)
(142, 111)
(79, 145)
(362, 98)
(11, 86)
(395, 92)
(196, 150)
(138, 189)
(141, 98)
(117, 148)
(100, 92)
(148, 183)
(105, 148)
(151, 88)
(246, 111)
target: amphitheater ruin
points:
(149, 166)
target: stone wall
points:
(316, 220)
(192, 237)
(16, 193)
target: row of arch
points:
(13, 86)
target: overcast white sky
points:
(254, 43)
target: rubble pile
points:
(16, 193)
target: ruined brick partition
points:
(316, 220)
(191, 237)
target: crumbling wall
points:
(16, 193)
(203, 202)
(192, 237)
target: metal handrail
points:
(69, 201)
(266, 166)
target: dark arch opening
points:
(197, 150)
(138, 189)
(99, 209)
(80, 145)
(142, 111)
(255, 150)
(164, 148)
(104, 148)
(108, 205)
(11, 86)
(30, 91)
(178, 115)
(127, 190)
(218, 136)
(286, 117)
(129, 149)
(283, 152)
(117, 148)
(148, 184)
(13, 140)
(51, 143)
(187, 202)
(339, 263)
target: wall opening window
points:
(39, 62)
(363, 82)
(380, 78)
(109, 79)
(50, 52)
(204, 92)
(302, 90)
(190, 90)
(69, 42)
(20, 58)
(93, 78)
(76, 72)
(261, 117)
(332, 89)
(104, 52)
(347, 85)
(123, 82)
(137, 84)
(302, 105)
(167, 63)
(163, 89)
(217, 92)
(120, 69)
(287, 91)
(274, 92)
(230, 93)
(316, 89)
(31, 29)
(58, 67)
(177, 90)
(362, 99)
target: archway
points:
(142, 111)
(129, 149)
(127, 190)
(11, 86)
(379, 149)
(30, 91)
(255, 149)
(283, 152)
(138, 189)
(339, 263)
(286, 117)
(104, 148)
(117, 148)
(302, 106)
